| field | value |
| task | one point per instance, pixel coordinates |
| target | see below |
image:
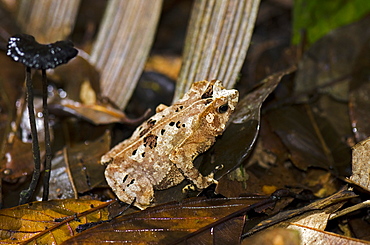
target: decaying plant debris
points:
(292, 163)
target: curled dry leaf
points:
(360, 164)
(50, 222)
(315, 236)
(95, 113)
(81, 96)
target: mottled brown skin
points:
(161, 151)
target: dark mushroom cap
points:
(24, 48)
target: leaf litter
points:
(300, 139)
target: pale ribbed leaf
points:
(217, 41)
(38, 18)
(122, 46)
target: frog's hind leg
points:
(130, 186)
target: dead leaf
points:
(98, 114)
(77, 169)
(359, 100)
(172, 223)
(311, 140)
(49, 222)
(73, 83)
(274, 236)
(360, 164)
(327, 65)
(18, 160)
(315, 236)
(286, 216)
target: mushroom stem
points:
(47, 136)
(26, 195)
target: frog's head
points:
(220, 103)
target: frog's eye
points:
(223, 108)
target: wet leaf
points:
(49, 222)
(168, 223)
(84, 163)
(18, 160)
(77, 169)
(11, 80)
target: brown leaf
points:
(77, 169)
(97, 114)
(311, 140)
(337, 198)
(274, 236)
(168, 223)
(49, 222)
(18, 160)
(315, 236)
(359, 90)
(327, 65)
(360, 164)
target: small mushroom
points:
(24, 48)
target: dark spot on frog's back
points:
(207, 101)
(150, 123)
(208, 93)
(150, 141)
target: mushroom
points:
(24, 48)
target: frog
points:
(161, 151)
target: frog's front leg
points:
(129, 185)
(183, 155)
